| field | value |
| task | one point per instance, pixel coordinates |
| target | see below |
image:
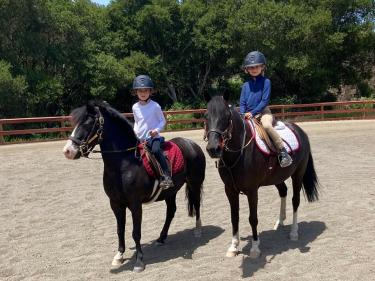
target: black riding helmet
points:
(142, 82)
(254, 58)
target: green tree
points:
(13, 101)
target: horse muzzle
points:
(214, 150)
(71, 151)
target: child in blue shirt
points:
(255, 98)
(149, 122)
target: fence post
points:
(321, 112)
(364, 111)
(63, 134)
(2, 141)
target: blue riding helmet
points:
(143, 82)
(254, 58)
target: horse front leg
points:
(120, 215)
(136, 210)
(283, 189)
(171, 210)
(252, 198)
(233, 198)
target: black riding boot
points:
(165, 180)
(284, 158)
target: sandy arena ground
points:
(56, 222)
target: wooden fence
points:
(180, 119)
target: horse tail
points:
(195, 169)
(193, 196)
(310, 181)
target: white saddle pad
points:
(289, 138)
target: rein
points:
(243, 146)
(227, 136)
(114, 151)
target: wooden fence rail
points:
(194, 117)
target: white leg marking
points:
(293, 235)
(282, 215)
(254, 251)
(118, 259)
(233, 249)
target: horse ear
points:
(91, 107)
(226, 95)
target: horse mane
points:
(80, 114)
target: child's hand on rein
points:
(153, 133)
(248, 115)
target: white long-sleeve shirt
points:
(147, 117)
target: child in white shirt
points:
(149, 122)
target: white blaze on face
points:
(70, 149)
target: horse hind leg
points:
(171, 210)
(252, 198)
(297, 186)
(193, 194)
(283, 189)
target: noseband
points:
(86, 146)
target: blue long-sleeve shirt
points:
(255, 95)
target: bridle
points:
(225, 135)
(87, 145)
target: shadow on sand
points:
(275, 242)
(181, 244)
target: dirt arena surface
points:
(56, 222)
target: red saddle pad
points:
(174, 156)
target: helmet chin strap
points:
(146, 100)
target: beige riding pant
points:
(266, 120)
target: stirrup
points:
(166, 182)
(284, 159)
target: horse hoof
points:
(117, 262)
(159, 243)
(139, 268)
(254, 254)
(197, 233)
(118, 259)
(293, 236)
(278, 225)
(231, 254)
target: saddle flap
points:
(173, 154)
(289, 137)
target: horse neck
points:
(242, 137)
(117, 136)
(238, 131)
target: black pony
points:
(244, 168)
(125, 179)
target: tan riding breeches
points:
(266, 120)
